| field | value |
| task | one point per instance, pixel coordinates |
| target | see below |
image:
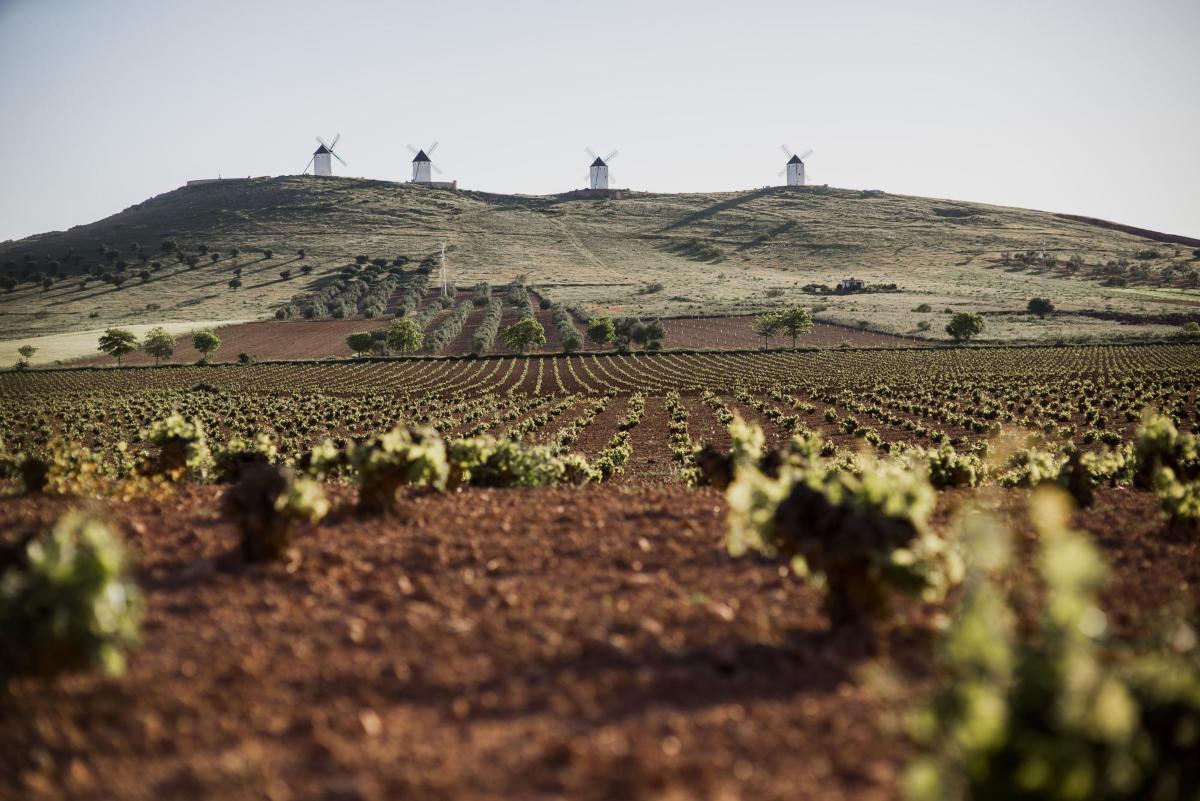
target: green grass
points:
(714, 253)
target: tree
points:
(766, 326)
(300, 253)
(1041, 307)
(268, 254)
(117, 342)
(964, 325)
(206, 342)
(26, 352)
(600, 330)
(360, 259)
(234, 283)
(404, 336)
(523, 335)
(795, 322)
(361, 342)
(285, 274)
(159, 344)
(571, 341)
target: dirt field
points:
(738, 332)
(594, 644)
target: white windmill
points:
(598, 171)
(422, 163)
(794, 167)
(320, 161)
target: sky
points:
(1079, 106)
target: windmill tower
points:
(598, 171)
(795, 166)
(422, 164)
(321, 157)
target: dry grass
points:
(713, 253)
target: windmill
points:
(422, 163)
(598, 171)
(320, 158)
(795, 166)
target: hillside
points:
(650, 254)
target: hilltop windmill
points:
(794, 167)
(320, 161)
(598, 171)
(422, 163)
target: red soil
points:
(737, 332)
(592, 644)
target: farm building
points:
(850, 285)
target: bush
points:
(265, 505)
(1040, 306)
(866, 535)
(400, 457)
(239, 454)
(489, 326)
(67, 602)
(360, 343)
(1054, 713)
(182, 448)
(488, 462)
(964, 326)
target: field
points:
(595, 641)
(649, 255)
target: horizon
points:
(947, 88)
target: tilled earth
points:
(500, 644)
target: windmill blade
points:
(610, 156)
(806, 154)
(335, 141)
(339, 158)
(435, 168)
(412, 149)
(321, 142)
(786, 151)
(591, 153)
(309, 164)
(429, 151)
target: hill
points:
(706, 254)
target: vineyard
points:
(604, 574)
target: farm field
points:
(522, 627)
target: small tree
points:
(1041, 307)
(285, 274)
(300, 253)
(404, 336)
(361, 343)
(964, 325)
(600, 330)
(268, 254)
(766, 326)
(117, 342)
(206, 342)
(159, 344)
(795, 322)
(26, 352)
(234, 283)
(524, 335)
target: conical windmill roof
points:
(599, 162)
(321, 149)
(794, 160)
(421, 156)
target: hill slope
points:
(716, 253)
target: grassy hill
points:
(719, 253)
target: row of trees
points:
(794, 322)
(158, 344)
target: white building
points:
(421, 165)
(322, 165)
(795, 171)
(598, 175)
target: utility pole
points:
(445, 292)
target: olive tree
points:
(206, 342)
(964, 325)
(524, 335)
(404, 336)
(600, 330)
(117, 342)
(159, 344)
(360, 343)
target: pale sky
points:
(1082, 106)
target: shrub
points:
(182, 448)
(404, 336)
(964, 326)
(866, 536)
(67, 602)
(239, 454)
(1040, 306)
(600, 330)
(489, 326)
(403, 456)
(265, 505)
(1052, 713)
(360, 343)
(488, 462)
